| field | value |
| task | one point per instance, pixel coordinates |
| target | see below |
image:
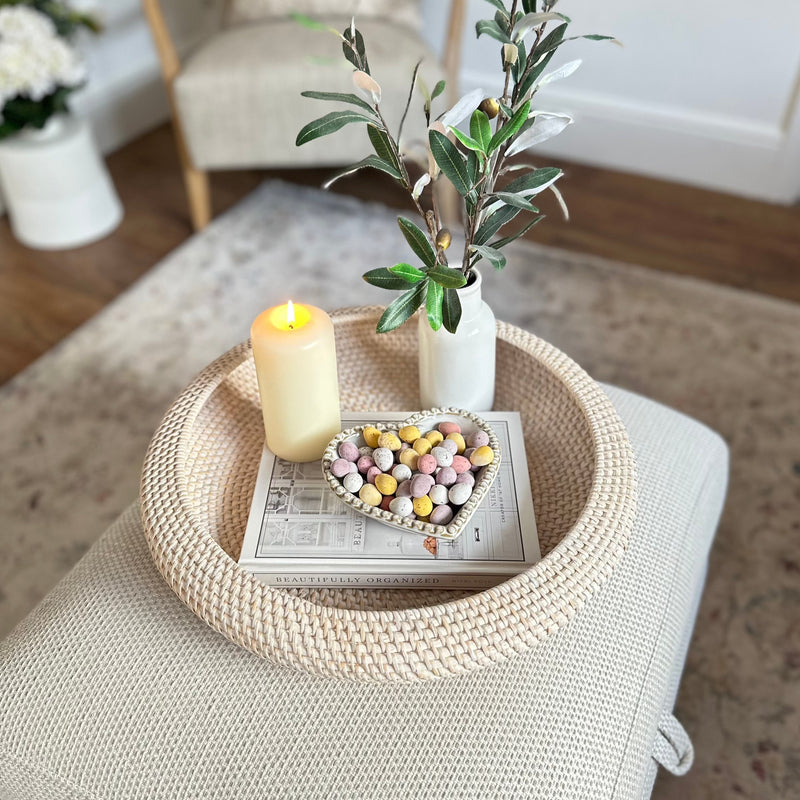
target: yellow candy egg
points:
(389, 441)
(371, 436)
(422, 446)
(370, 495)
(410, 433)
(434, 437)
(385, 484)
(459, 440)
(482, 456)
(423, 506)
(409, 457)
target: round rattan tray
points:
(199, 476)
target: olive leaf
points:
(448, 277)
(438, 89)
(511, 127)
(451, 310)
(491, 254)
(511, 199)
(480, 129)
(546, 127)
(407, 272)
(341, 97)
(497, 244)
(353, 38)
(450, 161)
(403, 308)
(370, 161)
(433, 305)
(328, 124)
(492, 224)
(463, 108)
(384, 279)
(417, 241)
(382, 144)
(467, 141)
(491, 28)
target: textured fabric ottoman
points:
(111, 688)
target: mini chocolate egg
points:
(478, 438)
(364, 463)
(370, 495)
(340, 467)
(446, 428)
(434, 437)
(446, 476)
(383, 458)
(461, 445)
(365, 451)
(402, 506)
(410, 458)
(444, 458)
(390, 441)
(450, 446)
(373, 473)
(422, 446)
(459, 493)
(421, 485)
(401, 472)
(371, 436)
(385, 484)
(404, 489)
(460, 464)
(427, 464)
(438, 494)
(387, 502)
(482, 456)
(441, 515)
(353, 482)
(466, 477)
(422, 506)
(409, 433)
(348, 451)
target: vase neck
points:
(470, 297)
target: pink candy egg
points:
(364, 463)
(341, 467)
(446, 476)
(421, 485)
(449, 427)
(441, 515)
(372, 473)
(460, 464)
(348, 451)
(427, 464)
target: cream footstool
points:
(112, 688)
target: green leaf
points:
(517, 201)
(384, 279)
(499, 5)
(341, 97)
(370, 161)
(531, 77)
(382, 145)
(529, 6)
(403, 308)
(491, 28)
(360, 61)
(519, 66)
(450, 161)
(550, 42)
(467, 141)
(418, 241)
(328, 124)
(451, 310)
(497, 259)
(492, 224)
(533, 180)
(473, 168)
(433, 305)
(510, 127)
(508, 239)
(407, 272)
(437, 90)
(448, 277)
(481, 129)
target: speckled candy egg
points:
(446, 476)
(446, 428)
(441, 515)
(438, 495)
(427, 464)
(444, 458)
(459, 493)
(401, 472)
(450, 446)
(421, 485)
(478, 439)
(348, 451)
(353, 482)
(383, 458)
(402, 506)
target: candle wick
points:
(291, 326)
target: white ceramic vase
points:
(457, 369)
(56, 186)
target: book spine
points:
(287, 580)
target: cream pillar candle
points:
(295, 355)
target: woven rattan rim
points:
(396, 645)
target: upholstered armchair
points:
(236, 100)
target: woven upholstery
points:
(238, 94)
(200, 472)
(112, 689)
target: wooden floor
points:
(45, 295)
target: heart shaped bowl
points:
(425, 421)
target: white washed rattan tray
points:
(200, 472)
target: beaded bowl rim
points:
(459, 522)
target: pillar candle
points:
(295, 355)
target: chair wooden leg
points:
(199, 195)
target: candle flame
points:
(290, 315)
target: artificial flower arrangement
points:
(475, 159)
(39, 66)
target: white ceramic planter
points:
(458, 369)
(56, 186)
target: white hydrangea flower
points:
(34, 59)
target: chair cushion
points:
(112, 688)
(238, 95)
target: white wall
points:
(703, 93)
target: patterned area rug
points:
(75, 425)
